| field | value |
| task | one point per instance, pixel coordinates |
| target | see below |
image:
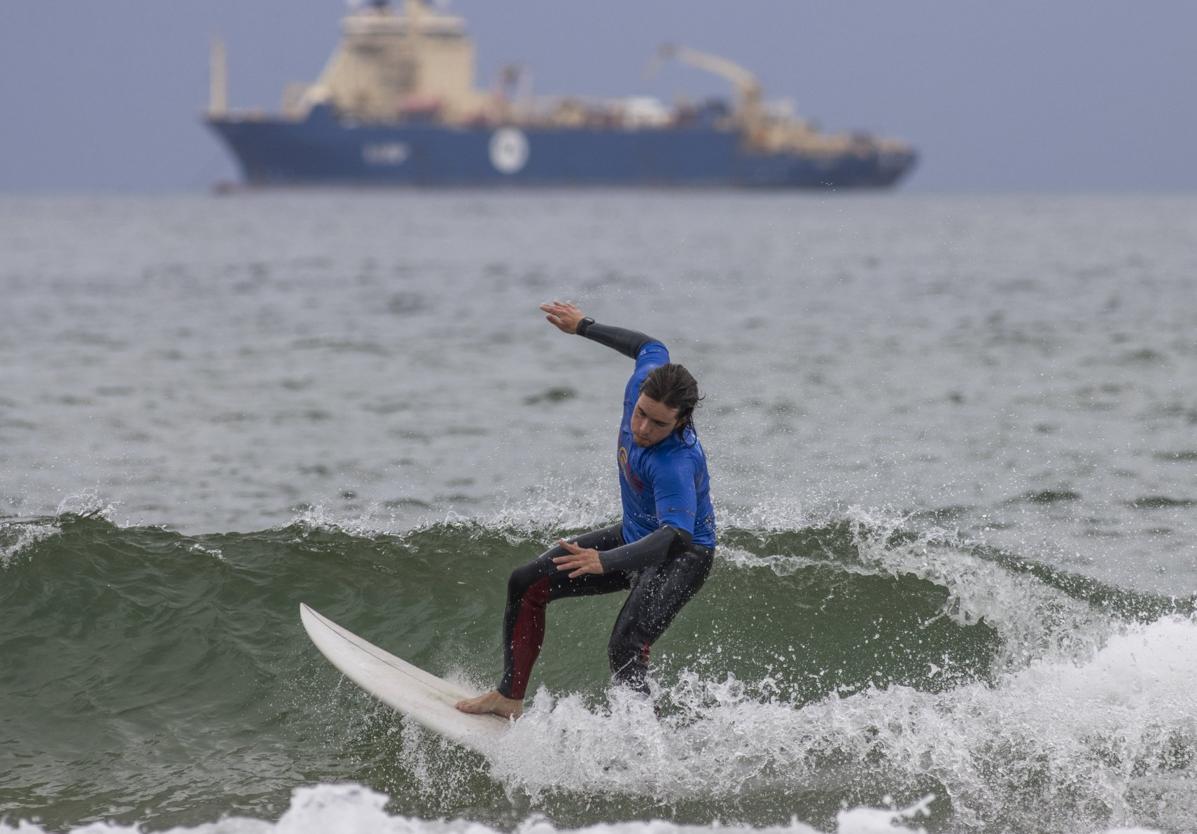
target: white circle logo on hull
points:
(508, 150)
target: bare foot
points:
(492, 703)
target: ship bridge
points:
(389, 64)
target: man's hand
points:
(581, 560)
(562, 315)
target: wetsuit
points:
(662, 549)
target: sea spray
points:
(1092, 742)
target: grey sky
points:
(1020, 95)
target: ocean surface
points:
(953, 446)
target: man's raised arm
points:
(569, 319)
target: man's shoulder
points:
(652, 354)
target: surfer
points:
(662, 548)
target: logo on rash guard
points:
(626, 467)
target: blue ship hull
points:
(324, 150)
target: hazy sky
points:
(1018, 95)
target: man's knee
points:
(523, 578)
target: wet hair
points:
(675, 387)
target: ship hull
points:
(322, 150)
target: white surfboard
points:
(421, 696)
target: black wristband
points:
(583, 326)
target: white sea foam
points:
(781, 564)
(774, 513)
(557, 504)
(87, 503)
(17, 537)
(371, 522)
(1108, 740)
(353, 809)
(552, 507)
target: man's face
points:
(652, 421)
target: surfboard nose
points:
(419, 695)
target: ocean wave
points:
(1111, 740)
(829, 664)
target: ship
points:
(397, 105)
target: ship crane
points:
(747, 86)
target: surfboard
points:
(421, 696)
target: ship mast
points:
(413, 11)
(218, 89)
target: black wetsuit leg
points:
(534, 586)
(658, 594)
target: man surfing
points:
(662, 548)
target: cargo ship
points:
(397, 105)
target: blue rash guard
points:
(665, 484)
(661, 552)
